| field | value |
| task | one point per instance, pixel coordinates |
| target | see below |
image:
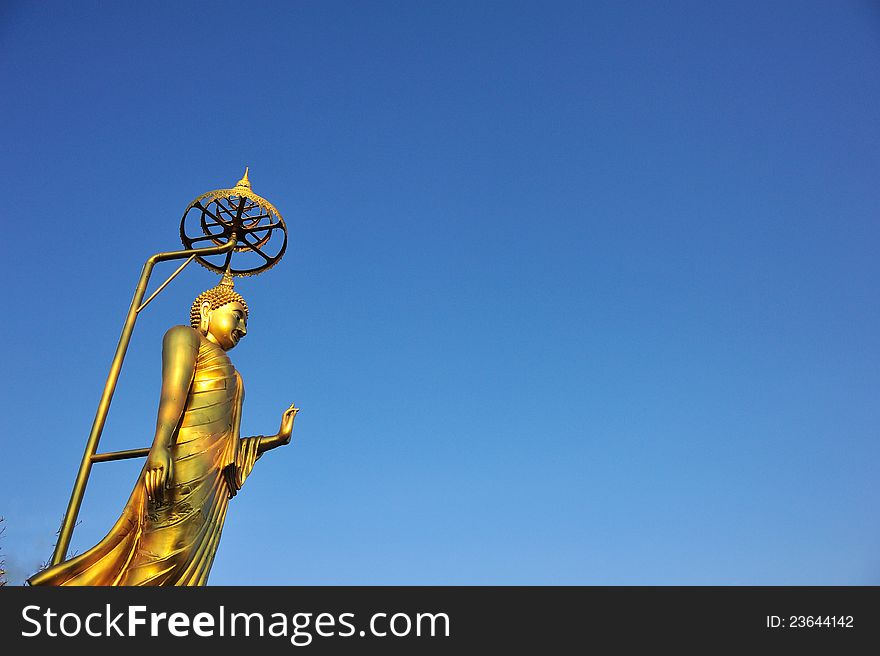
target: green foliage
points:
(2, 559)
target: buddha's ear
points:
(205, 314)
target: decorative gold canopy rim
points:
(236, 195)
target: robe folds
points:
(174, 542)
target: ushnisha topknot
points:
(217, 297)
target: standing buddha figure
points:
(170, 527)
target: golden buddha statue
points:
(170, 527)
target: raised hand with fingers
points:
(287, 423)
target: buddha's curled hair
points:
(217, 297)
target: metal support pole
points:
(165, 284)
(120, 455)
(79, 486)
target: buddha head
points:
(220, 314)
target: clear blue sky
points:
(576, 293)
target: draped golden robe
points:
(173, 543)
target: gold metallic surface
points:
(170, 527)
(100, 419)
(165, 284)
(120, 455)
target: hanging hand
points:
(158, 473)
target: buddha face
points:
(226, 325)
